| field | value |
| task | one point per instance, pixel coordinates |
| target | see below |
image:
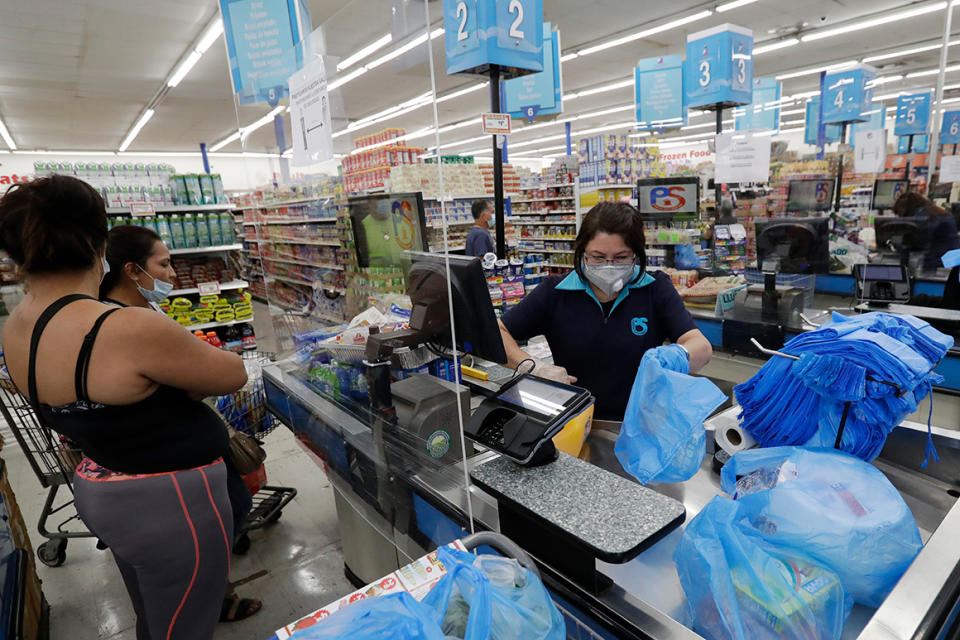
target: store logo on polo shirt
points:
(639, 326)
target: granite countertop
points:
(615, 517)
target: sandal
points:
(236, 608)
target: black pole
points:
(497, 164)
(716, 185)
(906, 175)
(836, 193)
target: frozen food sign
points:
(262, 38)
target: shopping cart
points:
(53, 460)
(246, 411)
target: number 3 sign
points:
(506, 33)
(719, 67)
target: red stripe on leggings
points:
(196, 552)
(219, 518)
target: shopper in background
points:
(941, 227)
(141, 275)
(479, 240)
(121, 383)
(638, 312)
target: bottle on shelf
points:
(163, 229)
(232, 340)
(226, 228)
(190, 230)
(214, 339)
(176, 232)
(248, 338)
(203, 231)
(200, 334)
(213, 227)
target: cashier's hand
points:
(553, 372)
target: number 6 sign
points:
(481, 33)
(950, 131)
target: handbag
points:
(246, 455)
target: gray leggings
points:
(169, 534)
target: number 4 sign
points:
(950, 131)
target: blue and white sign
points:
(832, 132)
(847, 94)
(262, 38)
(764, 112)
(658, 91)
(538, 93)
(507, 33)
(913, 115)
(921, 144)
(950, 130)
(719, 67)
(877, 116)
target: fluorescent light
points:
(225, 141)
(144, 119)
(6, 136)
(679, 22)
(210, 36)
(874, 22)
(368, 50)
(601, 89)
(267, 119)
(805, 72)
(933, 72)
(907, 52)
(569, 56)
(773, 46)
(734, 5)
(183, 69)
(690, 127)
(399, 51)
(463, 92)
(342, 80)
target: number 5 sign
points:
(719, 67)
(506, 33)
(950, 131)
(913, 115)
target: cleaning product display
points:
(663, 438)
(830, 507)
(881, 364)
(187, 230)
(740, 587)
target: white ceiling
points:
(76, 74)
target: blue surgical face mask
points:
(160, 289)
(492, 221)
(106, 267)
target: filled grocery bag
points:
(662, 438)
(487, 597)
(397, 616)
(741, 588)
(830, 507)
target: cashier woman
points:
(602, 318)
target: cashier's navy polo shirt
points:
(601, 351)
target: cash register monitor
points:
(663, 198)
(886, 192)
(902, 235)
(810, 195)
(475, 322)
(386, 227)
(794, 245)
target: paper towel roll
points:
(731, 437)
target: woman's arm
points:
(698, 347)
(516, 355)
(169, 354)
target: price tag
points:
(209, 288)
(496, 123)
(138, 209)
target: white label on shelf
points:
(209, 288)
(310, 115)
(142, 209)
(495, 123)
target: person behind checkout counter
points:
(601, 318)
(941, 227)
(141, 275)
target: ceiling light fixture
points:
(342, 80)
(6, 136)
(932, 72)
(873, 22)
(830, 67)
(225, 141)
(569, 56)
(210, 35)
(646, 33)
(734, 5)
(144, 119)
(907, 52)
(368, 50)
(773, 46)
(192, 59)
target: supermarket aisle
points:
(294, 566)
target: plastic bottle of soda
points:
(214, 339)
(249, 339)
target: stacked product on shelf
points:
(457, 179)
(186, 230)
(368, 285)
(196, 270)
(506, 282)
(546, 215)
(368, 167)
(228, 308)
(9, 273)
(616, 159)
(511, 178)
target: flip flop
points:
(236, 608)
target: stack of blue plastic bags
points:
(880, 363)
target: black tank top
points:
(166, 431)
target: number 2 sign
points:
(950, 131)
(506, 33)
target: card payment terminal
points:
(520, 420)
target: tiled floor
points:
(296, 565)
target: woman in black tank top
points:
(153, 483)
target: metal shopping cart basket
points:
(246, 411)
(53, 460)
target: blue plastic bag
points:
(662, 438)
(741, 588)
(486, 597)
(837, 509)
(685, 257)
(397, 616)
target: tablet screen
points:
(538, 397)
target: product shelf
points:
(563, 238)
(560, 251)
(315, 243)
(180, 208)
(548, 186)
(279, 221)
(543, 213)
(554, 265)
(213, 325)
(538, 223)
(284, 203)
(550, 199)
(224, 286)
(334, 267)
(222, 247)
